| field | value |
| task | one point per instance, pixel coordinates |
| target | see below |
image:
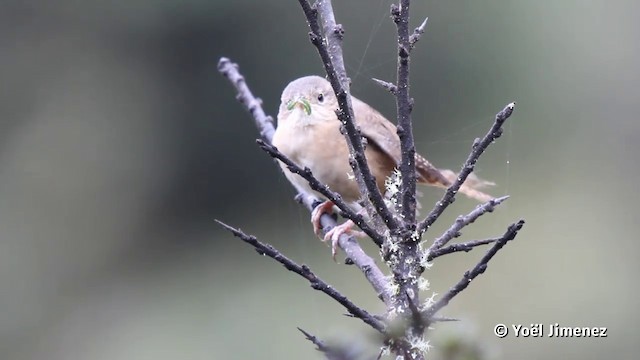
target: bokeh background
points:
(120, 144)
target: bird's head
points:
(310, 98)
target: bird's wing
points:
(377, 129)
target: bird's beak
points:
(302, 102)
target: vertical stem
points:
(404, 105)
(406, 268)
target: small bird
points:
(308, 133)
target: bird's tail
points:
(471, 186)
(430, 175)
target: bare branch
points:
(351, 247)
(246, 98)
(330, 51)
(479, 146)
(405, 267)
(305, 272)
(462, 221)
(480, 268)
(323, 189)
(466, 247)
(404, 105)
(403, 255)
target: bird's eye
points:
(320, 97)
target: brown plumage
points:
(308, 133)
(314, 140)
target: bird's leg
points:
(318, 211)
(334, 235)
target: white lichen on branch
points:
(392, 214)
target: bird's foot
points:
(324, 208)
(334, 235)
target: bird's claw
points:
(317, 213)
(333, 235)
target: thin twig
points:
(417, 33)
(466, 247)
(404, 105)
(330, 353)
(330, 50)
(469, 275)
(462, 221)
(253, 104)
(265, 126)
(305, 272)
(320, 345)
(479, 146)
(386, 85)
(323, 189)
(442, 319)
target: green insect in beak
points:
(302, 101)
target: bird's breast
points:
(323, 149)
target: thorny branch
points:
(323, 189)
(332, 352)
(329, 48)
(417, 33)
(386, 85)
(479, 146)
(466, 247)
(404, 105)
(405, 260)
(462, 221)
(305, 272)
(404, 267)
(320, 345)
(480, 268)
(265, 126)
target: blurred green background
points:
(120, 143)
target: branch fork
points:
(398, 236)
